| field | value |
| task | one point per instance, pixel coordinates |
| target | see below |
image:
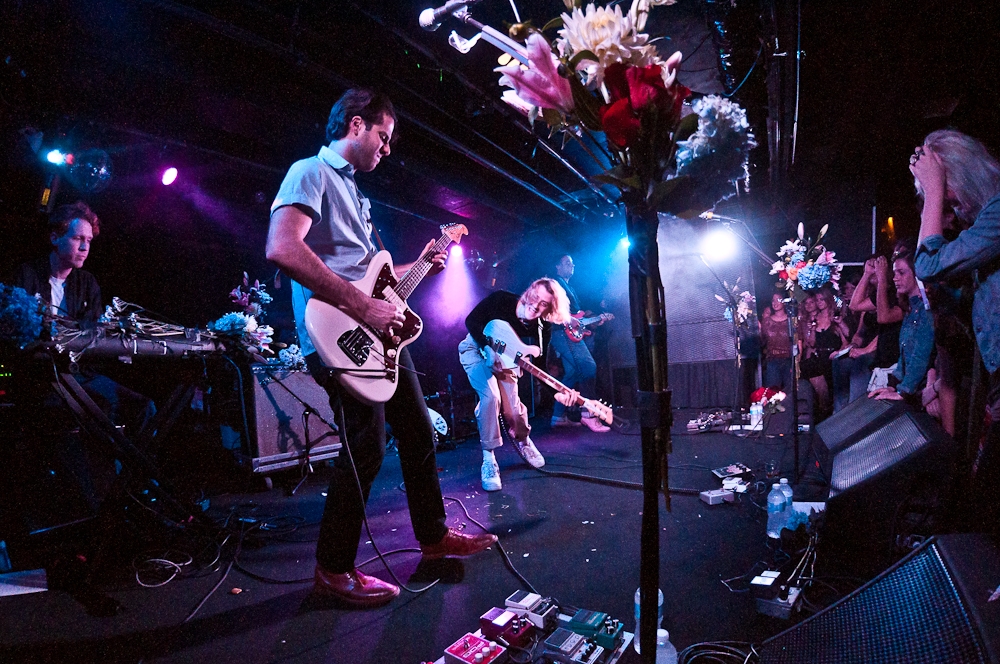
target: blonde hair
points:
(973, 175)
(560, 313)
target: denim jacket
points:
(916, 347)
(974, 253)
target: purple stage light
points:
(457, 252)
(169, 175)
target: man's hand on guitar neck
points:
(436, 260)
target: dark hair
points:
(903, 251)
(369, 105)
(63, 216)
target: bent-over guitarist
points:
(320, 235)
(544, 300)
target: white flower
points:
(251, 324)
(511, 98)
(777, 266)
(608, 35)
(640, 11)
(791, 247)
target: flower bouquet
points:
(769, 399)
(745, 303)
(601, 73)
(805, 266)
(243, 326)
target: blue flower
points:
(233, 323)
(812, 277)
(20, 316)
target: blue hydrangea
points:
(796, 257)
(813, 276)
(20, 316)
(233, 323)
(716, 154)
(728, 313)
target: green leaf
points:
(687, 126)
(661, 199)
(557, 22)
(553, 117)
(587, 105)
(582, 55)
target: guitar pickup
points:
(356, 344)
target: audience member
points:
(777, 344)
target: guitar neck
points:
(415, 274)
(526, 365)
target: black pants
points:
(406, 413)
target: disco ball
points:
(91, 170)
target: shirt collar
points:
(336, 162)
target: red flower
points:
(800, 265)
(632, 90)
(620, 123)
(783, 275)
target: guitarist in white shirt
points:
(320, 235)
(579, 367)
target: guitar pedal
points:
(472, 649)
(504, 624)
(599, 627)
(541, 612)
(572, 648)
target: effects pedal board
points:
(472, 649)
(572, 648)
(540, 611)
(600, 627)
(506, 626)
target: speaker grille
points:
(875, 453)
(836, 430)
(911, 615)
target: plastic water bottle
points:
(786, 489)
(659, 616)
(776, 514)
(756, 415)
(666, 653)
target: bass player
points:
(579, 367)
(544, 300)
(320, 235)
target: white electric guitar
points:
(364, 359)
(514, 353)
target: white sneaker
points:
(595, 424)
(490, 474)
(529, 453)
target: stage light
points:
(56, 157)
(624, 243)
(169, 176)
(718, 245)
(456, 251)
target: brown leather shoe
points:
(455, 543)
(354, 589)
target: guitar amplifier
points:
(281, 434)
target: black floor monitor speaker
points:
(892, 483)
(855, 421)
(932, 607)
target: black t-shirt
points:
(887, 348)
(499, 305)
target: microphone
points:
(430, 18)
(712, 215)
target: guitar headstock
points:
(600, 410)
(455, 232)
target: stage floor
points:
(573, 540)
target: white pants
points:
(495, 390)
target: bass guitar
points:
(514, 353)
(364, 359)
(578, 331)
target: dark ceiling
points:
(235, 91)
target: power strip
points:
(779, 608)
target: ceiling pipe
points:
(247, 37)
(497, 105)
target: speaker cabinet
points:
(278, 431)
(929, 608)
(892, 483)
(857, 420)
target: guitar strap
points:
(377, 238)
